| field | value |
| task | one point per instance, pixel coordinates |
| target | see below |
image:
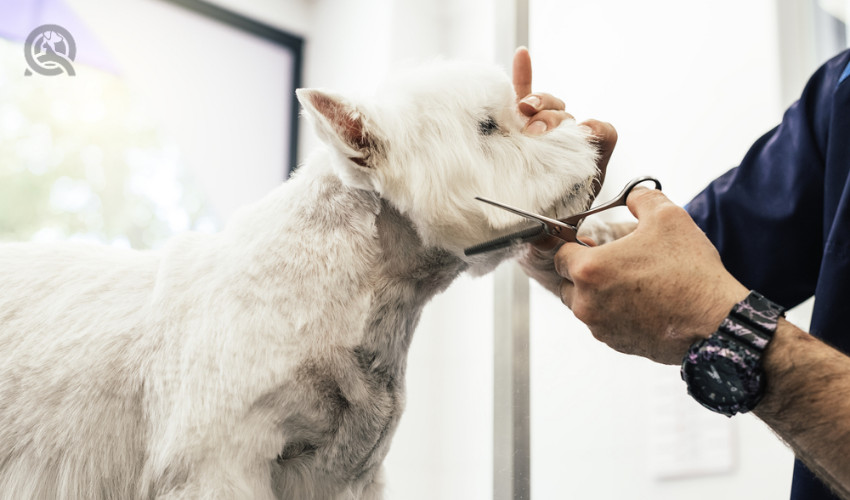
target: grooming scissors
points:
(564, 229)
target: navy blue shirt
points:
(781, 219)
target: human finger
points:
(522, 73)
(539, 101)
(565, 255)
(604, 134)
(566, 291)
(642, 201)
(546, 120)
(587, 240)
(605, 137)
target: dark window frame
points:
(288, 41)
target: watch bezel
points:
(705, 354)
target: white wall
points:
(689, 86)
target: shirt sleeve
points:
(766, 216)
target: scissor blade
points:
(528, 215)
(548, 226)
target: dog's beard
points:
(580, 197)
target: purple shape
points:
(19, 17)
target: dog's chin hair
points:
(578, 199)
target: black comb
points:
(506, 241)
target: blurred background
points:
(180, 111)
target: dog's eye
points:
(488, 126)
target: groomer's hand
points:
(545, 112)
(653, 292)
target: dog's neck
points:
(381, 271)
(411, 274)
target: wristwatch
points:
(724, 371)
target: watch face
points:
(723, 371)
(722, 379)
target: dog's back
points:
(71, 322)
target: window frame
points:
(288, 41)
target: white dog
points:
(268, 361)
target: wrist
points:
(724, 371)
(720, 306)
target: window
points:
(154, 134)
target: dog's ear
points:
(340, 124)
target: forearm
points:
(807, 402)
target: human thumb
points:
(642, 201)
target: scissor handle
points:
(618, 201)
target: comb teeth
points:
(504, 241)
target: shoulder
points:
(838, 68)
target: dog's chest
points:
(366, 407)
(354, 396)
(348, 406)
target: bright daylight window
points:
(84, 159)
(145, 140)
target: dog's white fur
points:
(267, 361)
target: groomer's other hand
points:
(653, 292)
(545, 112)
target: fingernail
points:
(532, 101)
(536, 128)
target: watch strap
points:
(752, 321)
